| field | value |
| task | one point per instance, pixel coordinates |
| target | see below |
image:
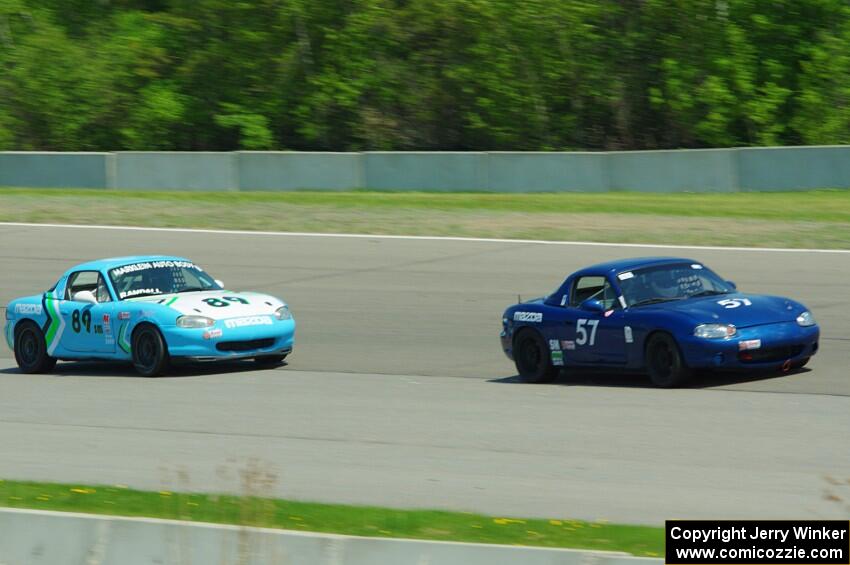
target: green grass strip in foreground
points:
(812, 219)
(815, 205)
(333, 518)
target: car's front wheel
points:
(531, 355)
(31, 349)
(664, 362)
(150, 356)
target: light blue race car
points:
(149, 310)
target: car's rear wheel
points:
(31, 349)
(269, 360)
(664, 361)
(531, 355)
(150, 356)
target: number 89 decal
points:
(224, 301)
(581, 331)
(78, 321)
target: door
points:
(598, 332)
(88, 325)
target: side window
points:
(596, 288)
(585, 288)
(91, 281)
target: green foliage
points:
(422, 74)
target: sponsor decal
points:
(625, 276)
(608, 312)
(106, 318)
(554, 345)
(558, 358)
(568, 344)
(212, 334)
(734, 302)
(749, 344)
(248, 321)
(123, 315)
(627, 331)
(28, 309)
(98, 329)
(135, 267)
(528, 316)
(696, 266)
(622, 301)
(563, 300)
(138, 291)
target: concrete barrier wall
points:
(425, 171)
(260, 170)
(176, 171)
(54, 538)
(548, 172)
(794, 168)
(59, 170)
(700, 170)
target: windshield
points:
(150, 278)
(670, 282)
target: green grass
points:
(333, 518)
(782, 219)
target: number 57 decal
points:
(581, 331)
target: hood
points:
(215, 304)
(740, 310)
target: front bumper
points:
(9, 333)
(507, 345)
(781, 344)
(219, 343)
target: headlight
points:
(283, 313)
(194, 322)
(714, 331)
(806, 319)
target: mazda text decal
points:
(248, 321)
(528, 317)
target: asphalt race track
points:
(398, 394)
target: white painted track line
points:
(426, 238)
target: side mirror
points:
(86, 296)
(732, 284)
(593, 305)
(219, 283)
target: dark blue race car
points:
(661, 315)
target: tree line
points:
(350, 75)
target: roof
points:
(631, 264)
(112, 262)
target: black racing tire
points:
(664, 362)
(150, 355)
(31, 349)
(269, 360)
(532, 357)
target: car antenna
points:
(518, 299)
